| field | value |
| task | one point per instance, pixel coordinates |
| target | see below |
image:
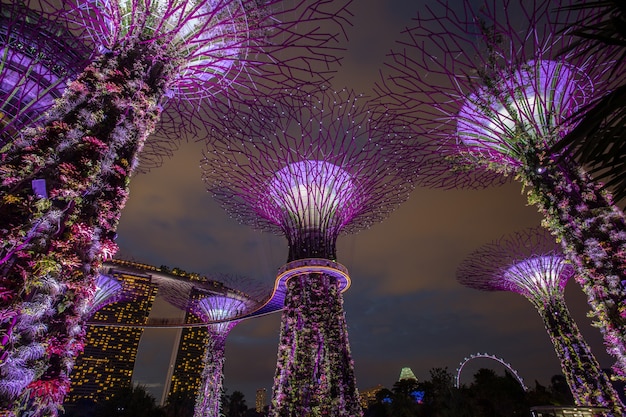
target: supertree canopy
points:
(108, 290)
(488, 94)
(530, 263)
(154, 55)
(38, 56)
(221, 311)
(314, 168)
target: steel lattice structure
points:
(222, 50)
(108, 290)
(488, 93)
(530, 263)
(38, 56)
(501, 361)
(317, 166)
(155, 58)
(221, 311)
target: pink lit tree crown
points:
(151, 61)
(108, 290)
(488, 93)
(488, 85)
(38, 56)
(530, 263)
(316, 166)
(217, 50)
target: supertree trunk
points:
(589, 384)
(208, 399)
(314, 374)
(592, 231)
(54, 238)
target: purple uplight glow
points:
(488, 97)
(209, 34)
(220, 305)
(539, 275)
(538, 98)
(312, 191)
(315, 166)
(309, 166)
(108, 290)
(38, 55)
(220, 309)
(531, 264)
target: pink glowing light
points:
(312, 191)
(541, 274)
(220, 309)
(38, 55)
(108, 290)
(533, 104)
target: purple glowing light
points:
(209, 34)
(316, 166)
(529, 263)
(533, 104)
(219, 309)
(312, 191)
(539, 275)
(214, 44)
(432, 81)
(108, 290)
(38, 55)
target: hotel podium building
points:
(107, 361)
(187, 362)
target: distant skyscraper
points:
(186, 375)
(407, 373)
(261, 400)
(109, 356)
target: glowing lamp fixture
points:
(311, 191)
(205, 31)
(532, 105)
(540, 274)
(219, 308)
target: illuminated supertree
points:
(221, 310)
(155, 55)
(488, 94)
(321, 168)
(108, 290)
(38, 55)
(530, 263)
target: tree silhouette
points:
(235, 405)
(180, 404)
(130, 401)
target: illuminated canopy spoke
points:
(531, 107)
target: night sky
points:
(405, 307)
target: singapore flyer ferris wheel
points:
(487, 356)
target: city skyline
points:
(404, 307)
